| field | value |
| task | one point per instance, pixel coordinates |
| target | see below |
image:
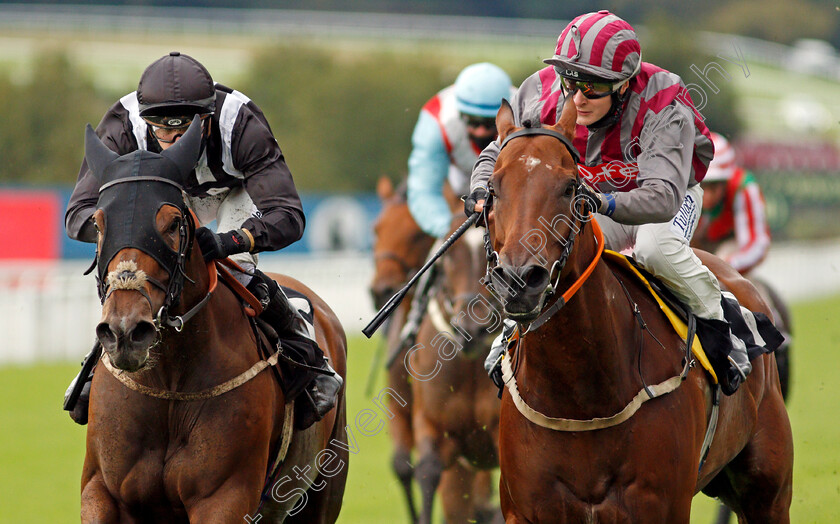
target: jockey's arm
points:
(751, 231)
(269, 183)
(664, 163)
(428, 166)
(114, 133)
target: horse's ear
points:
(97, 154)
(384, 188)
(568, 117)
(504, 120)
(184, 152)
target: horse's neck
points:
(583, 356)
(193, 351)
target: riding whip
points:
(389, 307)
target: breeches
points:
(663, 250)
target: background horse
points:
(400, 247)
(185, 427)
(456, 407)
(590, 359)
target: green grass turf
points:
(41, 450)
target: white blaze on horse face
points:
(530, 162)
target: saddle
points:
(711, 347)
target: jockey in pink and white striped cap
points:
(644, 149)
(599, 45)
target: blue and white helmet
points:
(479, 89)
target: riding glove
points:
(221, 245)
(597, 201)
(479, 193)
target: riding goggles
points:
(167, 128)
(591, 90)
(473, 121)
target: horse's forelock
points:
(127, 276)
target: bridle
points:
(174, 264)
(394, 257)
(577, 225)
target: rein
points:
(565, 424)
(565, 297)
(508, 375)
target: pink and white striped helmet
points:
(722, 166)
(597, 46)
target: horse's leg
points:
(761, 476)
(97, 504)
(401, 434)
(723, 515)
(432, 451)
(508, 509)
(324, 505)
(482, 489)
(230, 503)
(455, 494)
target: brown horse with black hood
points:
(184, 426)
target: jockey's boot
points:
(739, 359)
(726, 352)
(77, 396)
(288, 323)
(493, 362)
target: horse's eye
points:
(570, 191)
(174, 226)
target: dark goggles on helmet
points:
(478, 121)
(168, 128)
(591, 90)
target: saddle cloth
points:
(754, 330)
(670, 306)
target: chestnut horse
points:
(184, 426)
(456, 407)
(576, 372)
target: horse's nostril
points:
(143, 333)
(106, 337)
(535, 277)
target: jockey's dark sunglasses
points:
(478, 121)
(168, 128)
(591, 90)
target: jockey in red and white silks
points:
(733, 208)
(644, 147)
(452, 129)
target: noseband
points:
(560, 263)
